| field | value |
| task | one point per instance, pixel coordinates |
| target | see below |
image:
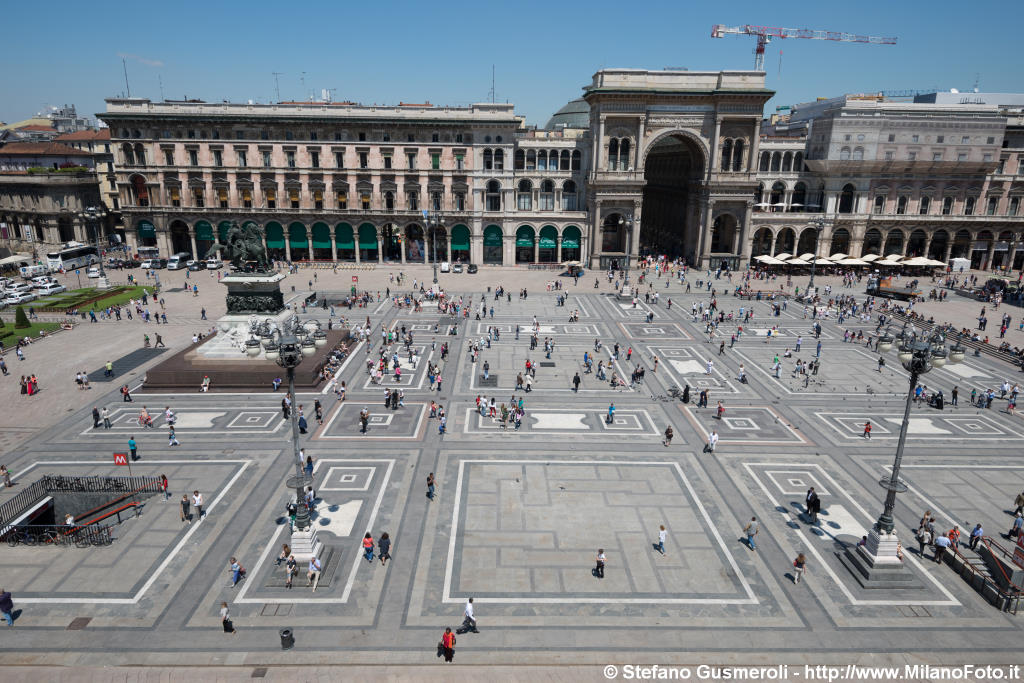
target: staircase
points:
(984, 570)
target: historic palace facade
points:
(665, 162)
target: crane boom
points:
(765, 34)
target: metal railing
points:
(15, 506)
(59, 535)
(980, 580)
(61, 484)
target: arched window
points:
(499, 160)
(726, 154)
(925, 207)
(798, 162)
(531, 160)
(488, 160)
(799, 202)
(525, 196)
(576, 160)
(969, 206)
(778, 193)
(140, 193)
(901, 204)
(787, 162)
(564, 165)
(519, 160)
(844, 154)
(737, 156)
(569, 196)
(493, 198)
(613, 154)
(846, 198)
(858, 154)
(879, 203)
(389, 200)
(624, 154)
(947, 206)
(140, 154)
(553, 160)
(776, 161)
(129, 155)
(547, 196)
(766, 160)
(542, 160)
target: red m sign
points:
(120, 458)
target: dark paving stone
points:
(78, 623)
(491, 381)
(547, 364)
(125, 364)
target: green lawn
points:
(10, 336)
(74, 297)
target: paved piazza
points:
(520, 513)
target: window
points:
(846, 138)
(531, 160)
(993, 204)
(1014, 206)
(410, 157)
(499, 159)
(271, 197)
(435, 200)
(569, 196)
(198, 199)
(318, 199)
(362, 137)
(879, 204)
(175, 196)
(458, 138)
(915, 138)
(987, 157)
(858, 153)
(547, 196)
(576, 160)
(364, 201)
(222, 197)
(239, 135)
(925, 207)
(387, 161)
(364, 160)
(247, 199)
(342, 198)
(193, 157)
(435, 159)
(892, 137)
(169, 157)
(901, 204)
(860, 137)
(889, 156)
(434, 137)
(218, 157)
(339, 159)
(266, 158)
(412, 138)
(911, 156)
(1001, 168)
(414, 201)
(191, 134)
(990, 141)
(313, 135)
(940, 139)
(844, 155)
(947, 206)
(961, 156)
(493, 196)
(389, 200)
(497, 138)
(459, 162)
(264, 135)
(386, 137)
(969, 206)
(524, 198)
(965, 139)
(936, 156)
(726, 155)
(289, 135)
(314, 159)
(460, 201)
(243, 157)
(289, 159)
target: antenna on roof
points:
(277, 85)
(161, 81)
(124, 65)
(491, 94)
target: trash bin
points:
(287, 639)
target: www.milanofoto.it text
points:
(820, 672)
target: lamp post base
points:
(305, 544)
(103, 283)
(876, 564)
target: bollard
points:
(287, 639)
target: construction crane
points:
(766, 33)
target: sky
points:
(443, 51)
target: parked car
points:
(154, 263)
(42, 281)
(20, 298)
(52, 288)
(446, 267)
(197, 265)
(214, 263)
(457, 268)
(472, 269)
(92, 272)
(19, 287)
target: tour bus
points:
(71, 256)
(178, 261)
(148, 253)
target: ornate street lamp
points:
(818, 223)
(877, 564)
(626, 221)
(94, 215)
(434, 220)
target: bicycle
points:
(16, 536)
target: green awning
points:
(222, 231)
(524, 236)
(146, 229)
(548, 237)
(297, 236)
(343, 236)
(204, 231)
(321, 236)
(492, 236)
(367, 236)
(571, 238)
(275, 235)
(460, 238)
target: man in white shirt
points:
(197, 502)
(469, 623)
(712, 441)
(314, 571)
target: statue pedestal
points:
(250, 295)
(877, 564)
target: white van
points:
(29, 272)
(178, 261)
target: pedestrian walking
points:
(668, 436)
(662, 535)
(237, 572)
(469, 619)
(576, 382)
(976, 535)
(599, 569)
(751, 529)
(291, 568)
(430, 486)
(867, 430)
(172, 440)
(7, 606)
(941, 543)
(318, 410)
(133, 447)
(95, 417)
(799, 567)
(186, 516)
(447, 645)
(384, 548)
(105, 416)
(712, 442)
(197, 503)
(163, 487)
(6, 474)
(368, 547)
(1019, 502)
(225, 619)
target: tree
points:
(20, 319)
